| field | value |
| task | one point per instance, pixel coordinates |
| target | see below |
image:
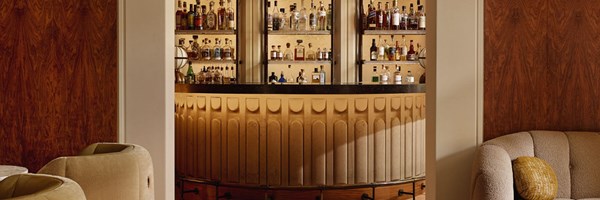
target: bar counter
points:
(264, 139)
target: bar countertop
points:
(250, 88)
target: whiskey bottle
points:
(403, 49)
(422, 18)
(411, 55)
(322, 76)
(178, 16)
(273, 53)
(395, 16)
(315, 76)
(410, 79)
(183, 17)
(269, 17)
(217, 50)
(313, 16)
(381, 50)
(386, 17)
(299, 51)
(404, 19)
(204, 18)
(379, 13)
(310, 54)
(391, 52)
(211, 17)
(330, 18)
(372, 16)
(397, 75)
(230, 16)
(279, 53)
(303, 21)
(288, 55)
(276, 17)
(227, 50)
(375, 76)
(222, 16)
(195, 46)
(190, 18)
(398, 55)
(198, 19)
(373, 51)
(322, 21)
(412, 19)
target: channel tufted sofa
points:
(574, 157)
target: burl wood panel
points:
(541, 66)
(58, 78)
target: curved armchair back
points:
(39, 187)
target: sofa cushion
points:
(534, 179)
(553, 147)
(585, 164)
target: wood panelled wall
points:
(541, 66)
(58, 78)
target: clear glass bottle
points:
(269, 17)
(322, 20)
(294, 18)
(413, 21)
(299, 51)
(209, 76)
(384, 78)
(206, 50)
(422, 18)
(227, 50)
(404, 19)
(217, 50)
(230, 16)
(276, 17)
(218, 75)
(288, 55)
(226, 76)
(410, 79)
(273, 53)
(375, 76)
(391, 52)
(283, 20)
(395, 16)
(279, 53)
(325, 54)
(319, 54)
(330, 18)
(313, 16)
(398, 75)
(322, 76)
(303, 20)
(381, 50)
(211, 17)
(310, 53)
(233, 76)
(403, 49)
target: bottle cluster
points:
(300, 53)
(222, 50)
(211, 75)
(317, 77)
(394, 52)
(388, 77)
(199, 18)
(394, 18)
(300, 18)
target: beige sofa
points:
(108, 171)
(574, 157)
(39, 187)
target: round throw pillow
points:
(534, 179)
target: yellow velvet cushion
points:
(534, 179)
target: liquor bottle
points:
(209, 76)
(230, 16)
(413, 21)
(221, 16)
(217, 50)
(410, 79)
(403, 49)
(398, 55)
(310, 54)
(385, 75)
(330, 54)
(205, 49)
(411, 56)
(204, 18)
(288, 55)
(315, 76)
(299, 51)
(218, 77)
(322, 76)
(279, 53)
(375, 76)
(404, 19)
(381, 50)
(294, 18)
(226, 76)
(395, 16)
(273, 53)
(276, 17)
(373, 51)
(273, 78)
(269, 17)
(284, 20)
(233, 75)
(183, 17)
(379, 13)
(422, 18)
(195, 46)
(363, 18)
(190, 18)
(190, 78)
(178, 16)
(303, 21)
(227, 50)
(200, 76)
(211, 17)
(322, 21)
(301, 77)
(281, 78)
(319, 54)
(386, 16)
(397, 75)
(313, 16)
(391, 52)
(325, 54)
(372, 16)
(330, 18)
(198, 19)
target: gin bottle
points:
(303, 20)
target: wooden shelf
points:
(288, 32)
(233, 62)
(368, 62)
(395, 32)
(308, 62)
(205, 32)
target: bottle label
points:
(410, 79)
(227, 54)
(206, 54)
(380, 19)
(313, 21)
(231, 24)
(396, 19)
(381, 51)
(404, 51)
(398, 78)
(217, 53)
(384, 78)
(422, 22)
(373, 55)
(210, 21)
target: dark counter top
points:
(300, 89)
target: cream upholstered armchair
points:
(108, 171)
(39, 187)
(573, 156)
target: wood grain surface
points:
(58, 78)
(541, 66)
